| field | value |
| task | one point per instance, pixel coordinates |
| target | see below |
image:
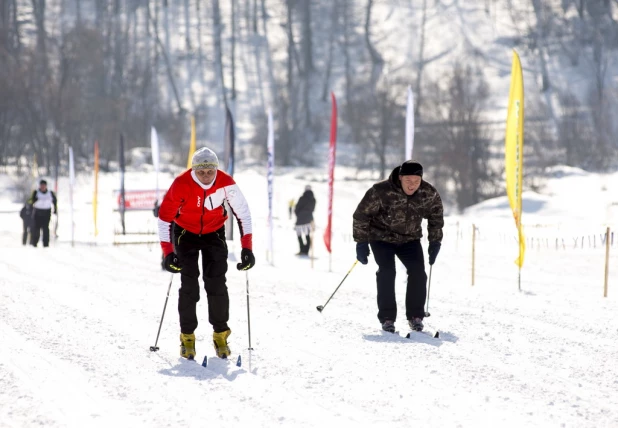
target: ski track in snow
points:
(77, 324)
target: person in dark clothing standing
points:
(42, 201)
(388, 219)
(192, 222)
(26, 217)
(304, 220)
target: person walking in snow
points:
(42, 201)
(192, 212)
(26, 217)
(304, 220)
(388, 219)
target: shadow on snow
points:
(215, 367)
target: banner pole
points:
(607, 235)
(473, 250)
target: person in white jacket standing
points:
(42, 200)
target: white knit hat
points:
(204, 158)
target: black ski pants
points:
(213, 248)
(411, 255)
(24, 238)
(40, 220)
(304, 246)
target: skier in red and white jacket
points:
(192, 212)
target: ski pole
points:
(155, 347)
(427, 314)
(248, 313)
(321, 308)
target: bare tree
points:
(421, 63)
(233, 50)
(218, 28)
(376, 59)
(460, 143)
(331, 44)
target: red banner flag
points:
(331, 171)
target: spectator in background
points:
(304, 220)
(26, 217)
(42, 201)
(291, 208)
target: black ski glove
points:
(362, 252)
(172, 264)
(248, 259)
(433, 250)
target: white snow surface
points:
(77, 320)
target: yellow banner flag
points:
(514, 150)
(96, 185)
(192, 146)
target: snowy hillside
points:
(77, 321)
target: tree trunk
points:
(376, 59)
(233, 49)
(307, 46)
(255, 18)
(187, 27)
(216, 18)
(546, 87)
(188, 57)
(170, 74)
(274, 91)
(331, 44)
(421, 63)
(200, 51)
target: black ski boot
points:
(416, 324)
(389, 326)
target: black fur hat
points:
(411, 168)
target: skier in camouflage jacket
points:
(388, 219)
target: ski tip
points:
(238, 362)
(205, 361)
(408, 336)
(437, 335)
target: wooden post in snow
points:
(473, 250)
(607, 236)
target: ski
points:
(410, 335)
(435, 335)
(238, 361)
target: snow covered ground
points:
(77, 321)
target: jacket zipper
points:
(408, 211)
(202, 216)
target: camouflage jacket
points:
(387, 214)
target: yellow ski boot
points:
(187, 346)
(220, 342)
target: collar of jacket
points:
(199, 183)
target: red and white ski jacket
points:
(198, 208)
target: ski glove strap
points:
(433, 250)
(172, 264)
(362, 252)
(248, 259)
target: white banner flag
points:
(154, 148)
(71, 184)
(409, 125)
(269, 175)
